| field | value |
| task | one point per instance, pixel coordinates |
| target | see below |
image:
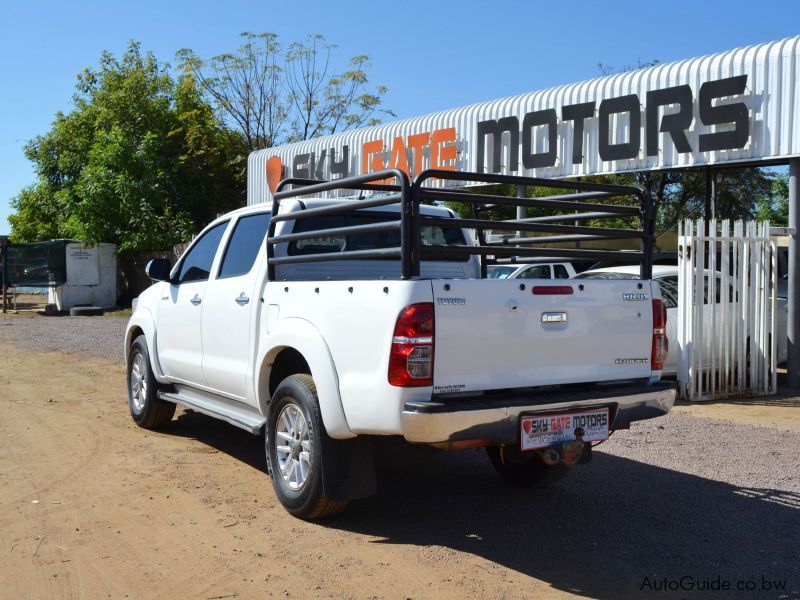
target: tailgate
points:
(490, 334)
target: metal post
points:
(711, 196)
(522, 212)
(3, 274)
(793, 324)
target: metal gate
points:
(726, 310)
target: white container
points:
(91, 278)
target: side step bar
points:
(237, 414)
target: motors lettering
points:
(734, 118)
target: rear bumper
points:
(497, 418)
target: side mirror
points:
(158, 269)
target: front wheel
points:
(294, 447)
(146, 408)
(524, 468)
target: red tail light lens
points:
(411, 357)
(660, 349)
(552, 290)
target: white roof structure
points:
(736, 106)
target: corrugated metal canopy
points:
(734, 106)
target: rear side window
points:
(196, 264)
(244, 244)
(372, 240)
(560, 272)
(540, 272)
(500, 272)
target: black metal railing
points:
(580, 204)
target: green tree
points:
(682, 194)
(141, 161)
(774, 205)
(274, 94)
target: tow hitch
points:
(569, 453)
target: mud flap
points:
(586, 457)
(348, 468)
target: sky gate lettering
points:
(405, 154)
(734, 116)
(439, 143)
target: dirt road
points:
(93, 507)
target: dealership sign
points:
(737, 106)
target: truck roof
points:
(294, 204)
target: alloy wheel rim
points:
(138, 383)
(293, 447)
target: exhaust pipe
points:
(550, 456)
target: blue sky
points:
(431, 55)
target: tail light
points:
(660, 350)
(411, 358)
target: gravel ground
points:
(96, 336)
(679, 496)
(673, 497)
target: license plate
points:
(540, 431)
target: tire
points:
(146, 408)
(85, 311)
(294, 447)
(525, 469)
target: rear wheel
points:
(146, 408)
(294, 447)
(524, 468)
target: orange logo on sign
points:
(274, 172)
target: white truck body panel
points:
(357, 326)
(495, 322)
(489, 334)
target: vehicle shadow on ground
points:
(599, 533)
(226, 438)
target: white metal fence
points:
(726, 310)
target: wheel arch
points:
(141, 323)
(296, 346)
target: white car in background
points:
(551, 270)
(667, 278)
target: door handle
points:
(196, 300)
(242, 299)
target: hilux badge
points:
(635, 296)
(554, 317)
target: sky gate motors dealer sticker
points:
(539, 431)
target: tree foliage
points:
(741, 193)
(273, 93)
(141, 161)
(774, 205)
(680, 195)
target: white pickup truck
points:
(324, 322)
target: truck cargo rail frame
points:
(580, 204)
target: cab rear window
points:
(373, 240)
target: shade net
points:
(37, 264)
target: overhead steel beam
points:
(793, 321)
